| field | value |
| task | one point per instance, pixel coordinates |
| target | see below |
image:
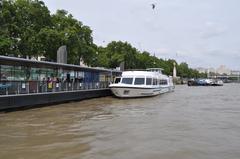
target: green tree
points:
(118, 52)
(75, 35)
(49, 40)
(183, 70)
(8, 33)
(100, 59)
(143, 60)
(21, 20)
(28, 29)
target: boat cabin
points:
(141, 80)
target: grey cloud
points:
(212, 29)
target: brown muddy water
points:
(190, 123)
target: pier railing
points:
(31, 87)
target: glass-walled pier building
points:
(22, 76)
(28, 83)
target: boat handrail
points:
(135, 70)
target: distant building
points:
(211, 70)
(223, 70)
(206, 70)
(201, 70)
(235, 72)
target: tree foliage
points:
(28, 29)
(21, 20)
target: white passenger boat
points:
(142, 83)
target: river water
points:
(190, 123)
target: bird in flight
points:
(153, 6)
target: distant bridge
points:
(227, 78)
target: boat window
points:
(163, 82)
(117, 80)
(139, 81)
(127, 80)
(149, 81)
(154, 81)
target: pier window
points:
(149, 81)
(44, 73)
(80, 76)
(117, 80)
(127, 80)
(7, 72)
(139, 81)
(34, 74)
(21, 73)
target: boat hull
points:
(132, 92)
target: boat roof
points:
(141, 73)
(149, 69)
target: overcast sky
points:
(203, 33)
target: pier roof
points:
(6, 60)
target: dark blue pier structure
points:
(25, 83)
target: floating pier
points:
(25, 83)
